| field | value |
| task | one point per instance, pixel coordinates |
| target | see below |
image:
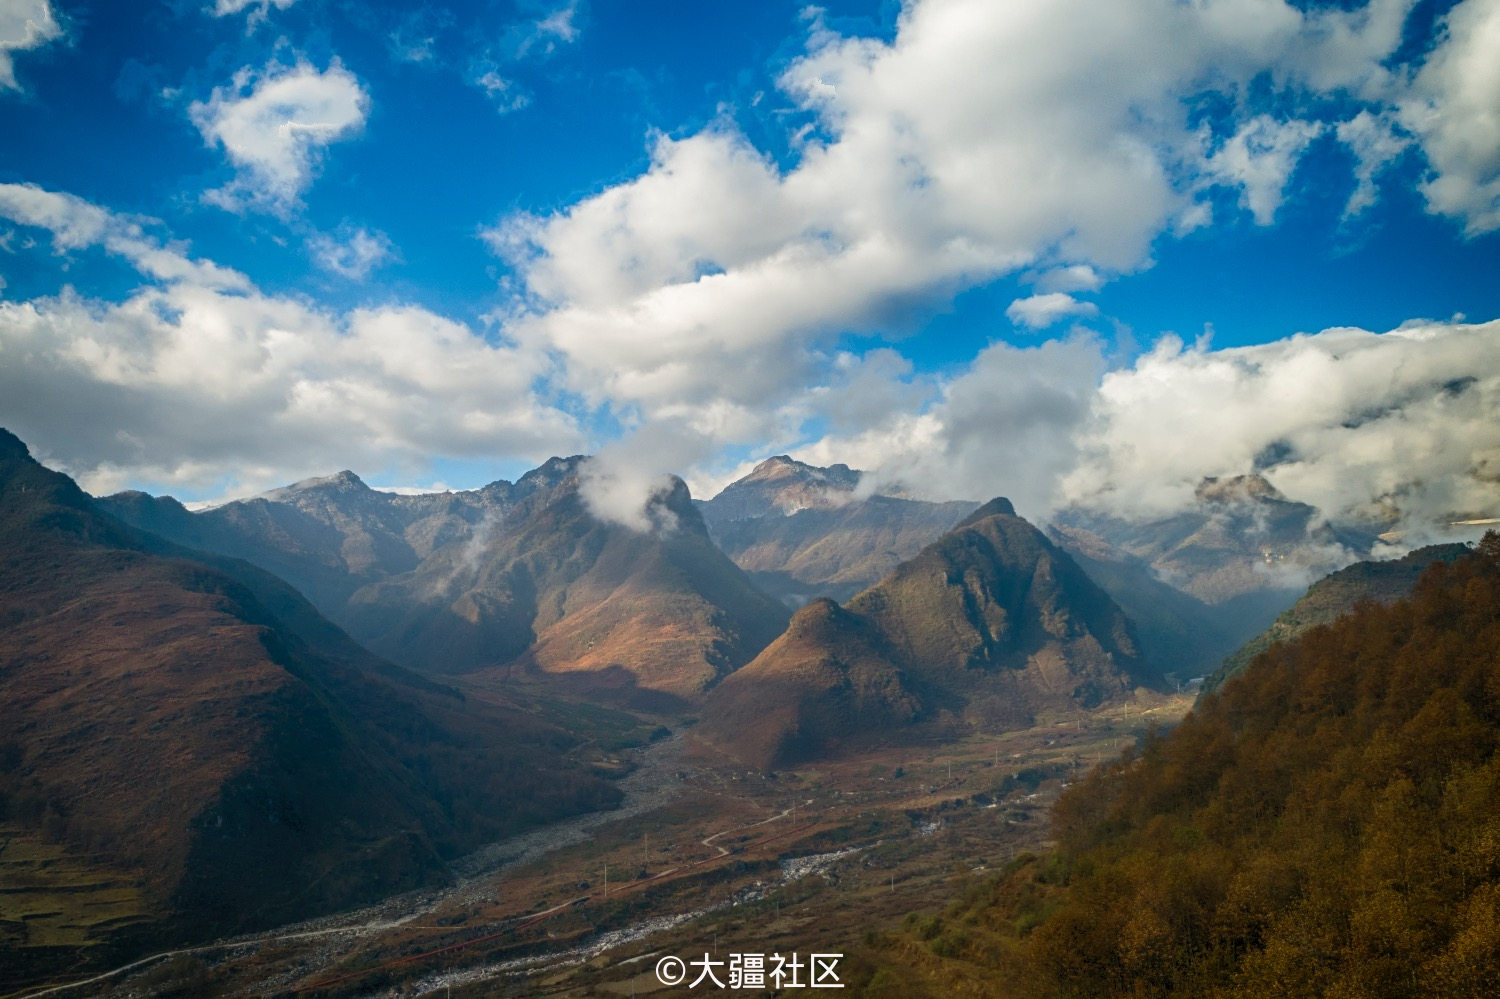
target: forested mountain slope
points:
(1328, 824)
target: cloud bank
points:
(1051, 141)
(730, 300)
(199, 379)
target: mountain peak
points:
(552, 471)
(997, 507)
(1235, 488)
(788, 467)
(781, 466)
(783, 485)
(339, 482)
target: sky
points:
(1075, 252)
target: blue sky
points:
(1031, 248)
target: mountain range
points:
(1323, 825)
(988, 626)
(192, 725)
(517, 576)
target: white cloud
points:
(1344, 420)
(1078, 277)
(1007, 425)
(505, 94)
(224, 8)
(76, 224)
(203, 381)
(1259, 159)
(1453, 107)
(352, 252)
(273, 125)
(983, 140)
(1374, 141)
(24, 24)
(559, 25)
(526, 41)
(1040, 311)
(1367, 427)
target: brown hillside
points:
(202, 730)
(1324, 825)
(557, 589)
(987, 626)
(828, 683)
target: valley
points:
(699, 858)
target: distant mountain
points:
(1240, 555)
(331, 535)
(191, 725)
(987, 626)
(1335, 595)
(1179, 634)
(802, 531)
(1241, 541)
(554, 588)
(518, 575)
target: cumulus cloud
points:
(352, 252)
(623, 481)
(1078, 277)
(24, 24)
(1007, 425)
(202, 380)
(273, 125)
(1375, 143)
(1057, 140)
(1389, 429)
(1453, 108)
(1040, 311)
(1259, 159)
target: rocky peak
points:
(550, 473)
(345, 482)
(997, 507)
(1236, 489)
